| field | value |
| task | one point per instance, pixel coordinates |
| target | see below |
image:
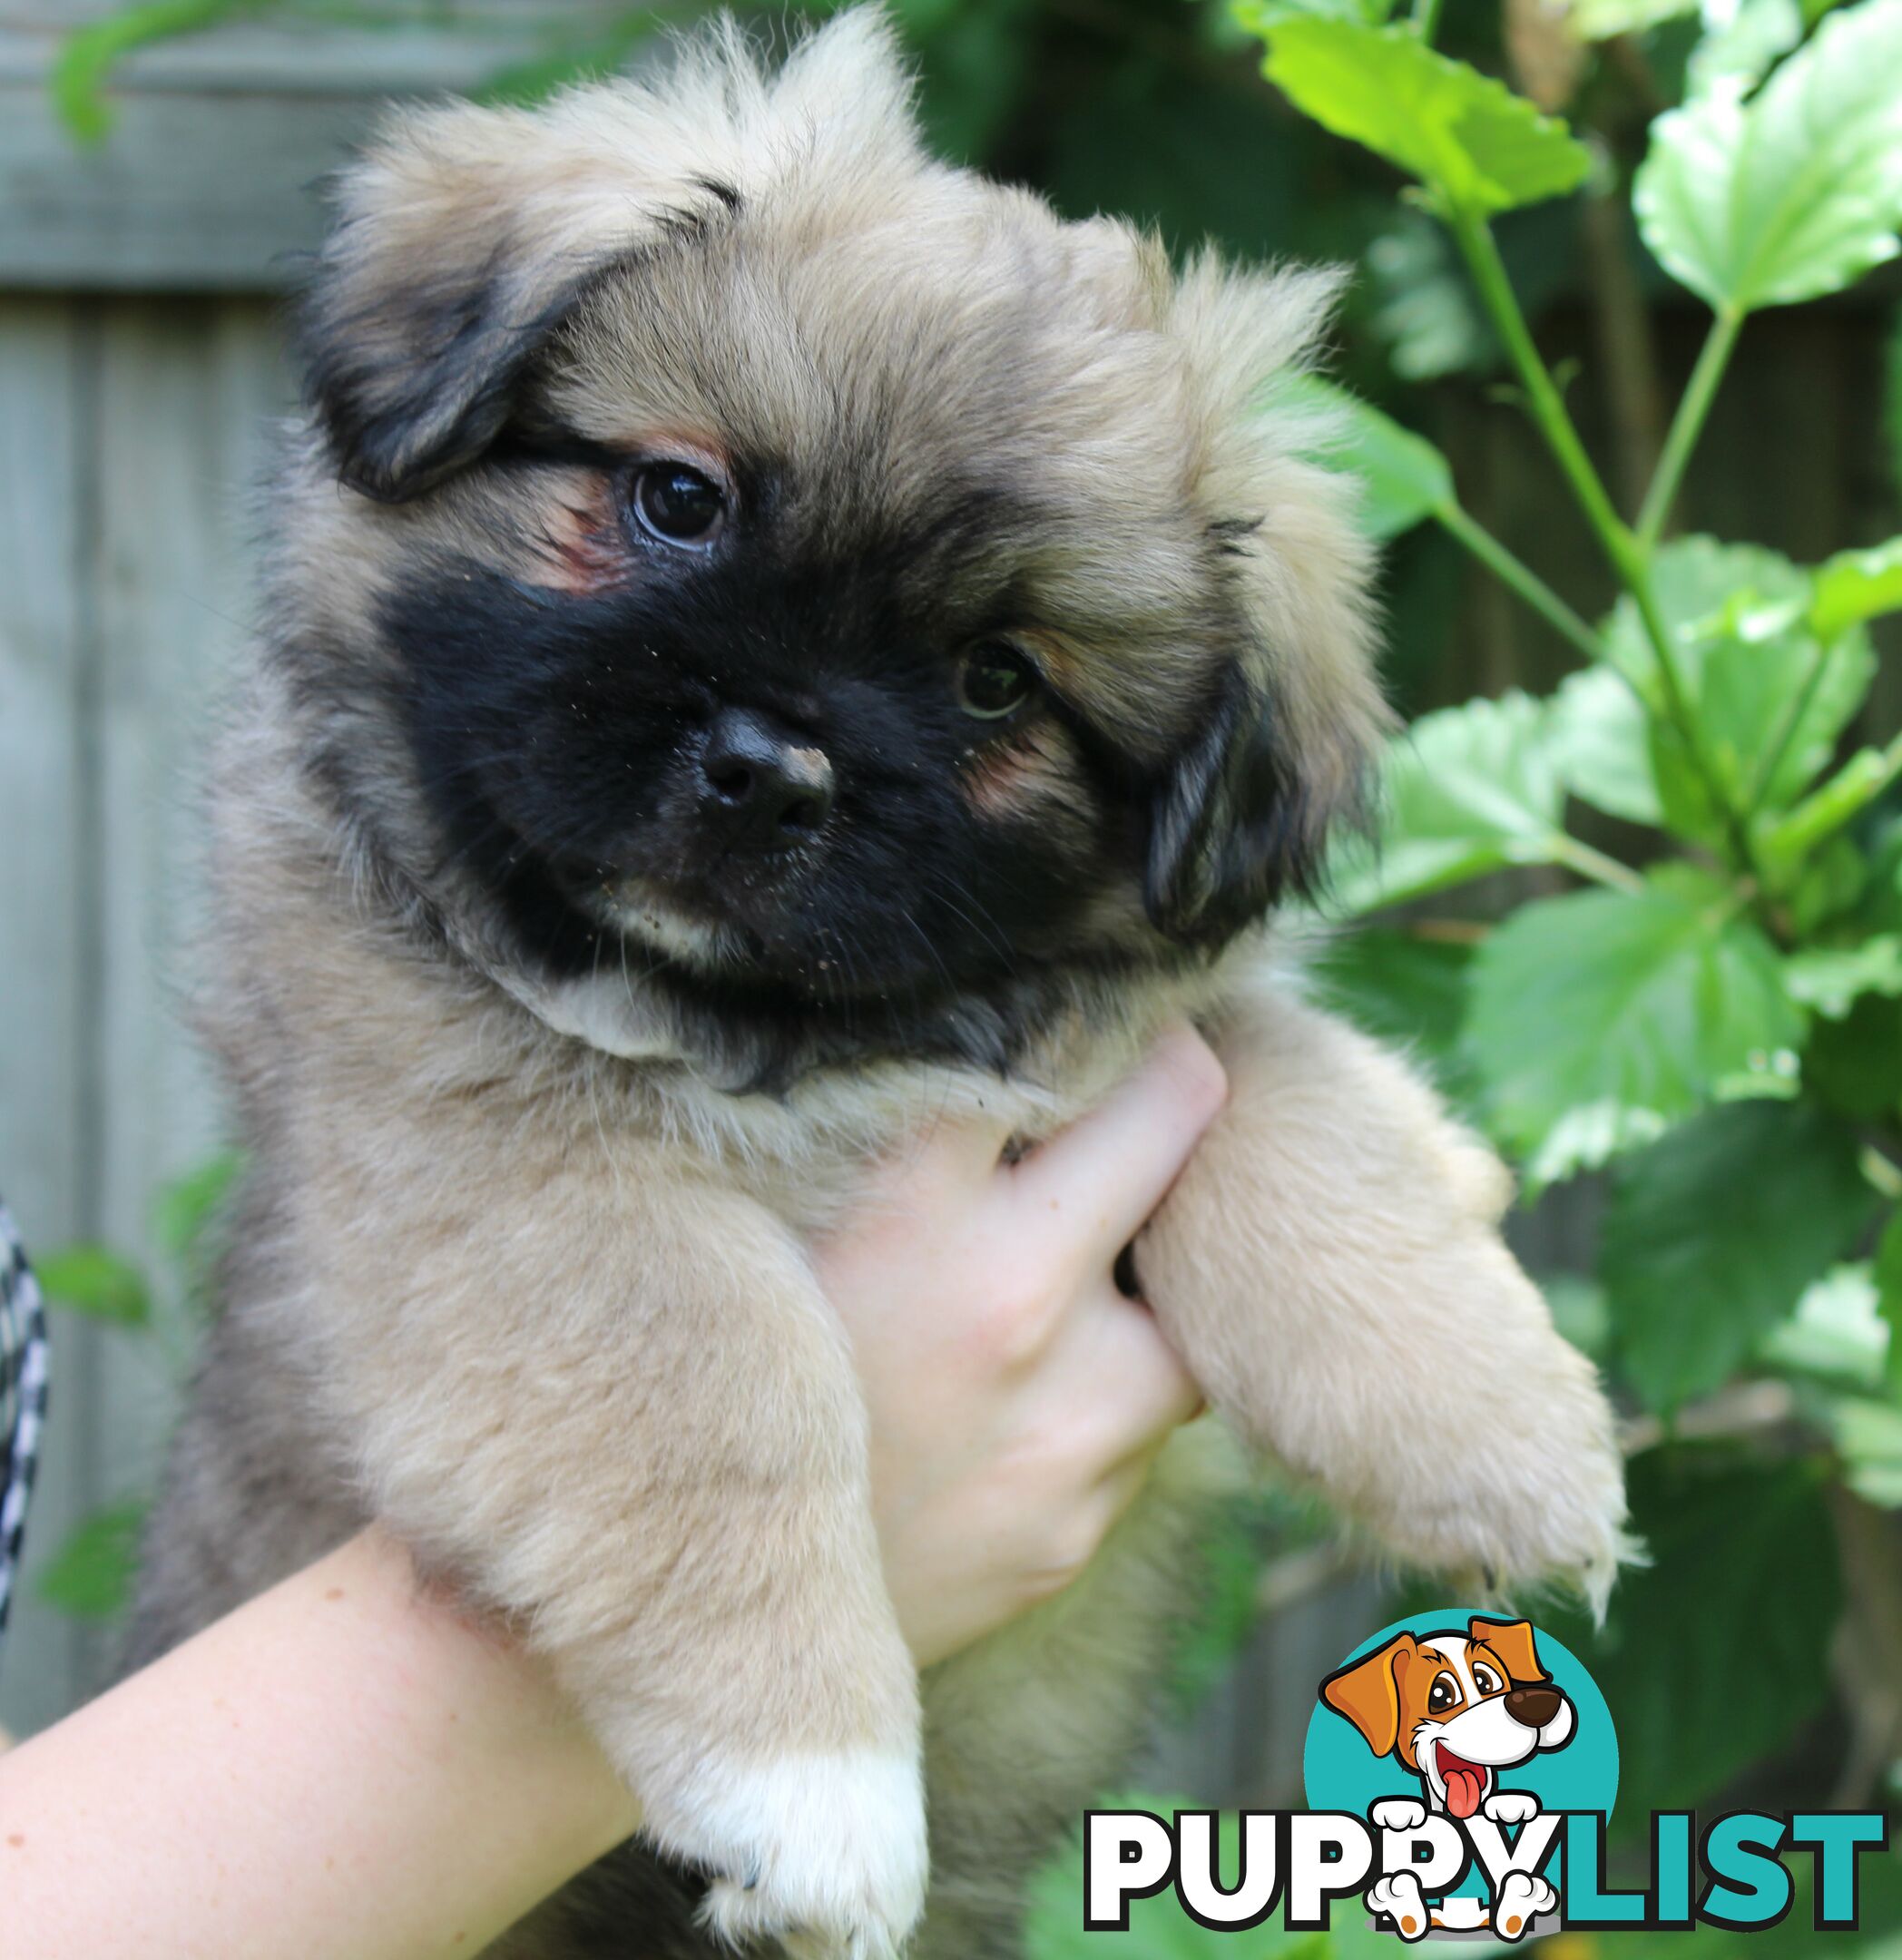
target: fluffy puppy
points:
(772, 638)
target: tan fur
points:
(523, 1275)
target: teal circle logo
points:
(1467, 1713)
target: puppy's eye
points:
(1443, 1695)
(1486, 1681)
(994, 680)
(678, 504)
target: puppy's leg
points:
(1330, 1265)
(614, 1406)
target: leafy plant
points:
(90, 1575)
(1710, 1010)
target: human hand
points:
(1016, 1396)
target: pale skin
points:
(349, 1769)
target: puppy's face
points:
(797, 570)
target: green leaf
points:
(90, 1574)
(1733, 1543)
(1756, 676)
(1600, 740)
(1869, 1438)
(1854, 586)
(87, 57)
(185, 1208)
(1404, 989)
(1739, 54)
(1831, 981)
(1854, 1064)
(1402, 477)
(1477, 146)
(1838, 1332)
(1465, 791)
(1603, 20)
(1427, 312)
(1627, 1006)
(93, 1280)
(1713, 1234)
(1794, 193)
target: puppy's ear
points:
(465, 234)
(1512, 1640)
(1228, 830)
(1368, 1692)
(460, 242)
(1244, 814)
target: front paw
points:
(1398, 1814)
(1511, 1807)
(824, 1853)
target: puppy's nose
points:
(761, 788)
(1533, 1707)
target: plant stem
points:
(1595, 865)
(1426, 19)
(1688, 424)
(1519, 577)
(1628, 557)
(1475, 241)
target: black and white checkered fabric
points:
(22, 1398)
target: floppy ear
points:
(464, 234)
(1369, 1693)
(1244, 812)
(1512, 1640)
(1228, 832)
(462, 239)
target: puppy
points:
(773, 641)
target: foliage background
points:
(1734, 1287)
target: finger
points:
(1111, 1358)
(953, 1149)
(1113, 1166)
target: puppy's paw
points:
(826, 1853)
(1398, 1814)
(1523, 1898)
(1511, 1807)
(1398, 1897)
(1503, 1466)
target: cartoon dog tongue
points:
(1466, 1783)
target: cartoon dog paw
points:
(1397, 1896)
(1398, 1814)
(1511, 1807)
(1522, 1897)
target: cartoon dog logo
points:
(1456, 1709)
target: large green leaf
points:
(1600, 740)
(1738, 54)
(1760, 681)
(1477, 146)
(1857, 585)
(1598, 1017)
(1713, 1233)
(1734, 1544)
(1465, 791)
(1795, 192)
